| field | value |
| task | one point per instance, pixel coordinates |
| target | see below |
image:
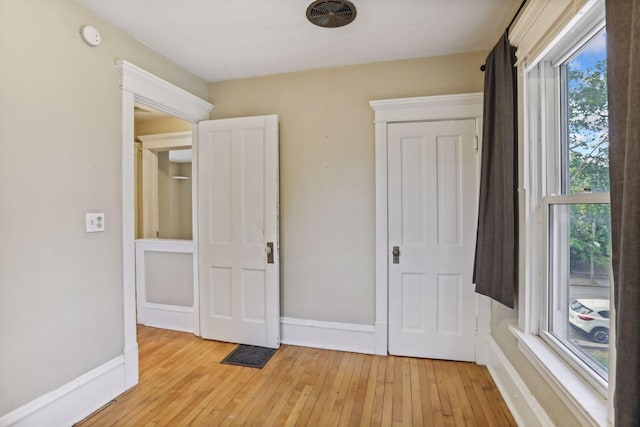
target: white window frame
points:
(539, 53)
(550, 88)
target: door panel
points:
(432, 208)
(238, 215)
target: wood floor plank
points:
(407, 403)
(267, 410)
(182, 382)
(360, 390)
(487, 389)
(327, 364)
(287, 389)
(325, 392)
(263, 401)
(426, 390)
(367, 406)
(378, 398)
(387, 402)
(475, 401)
(437, 395)
(297, 409)
(450, 404)
(336, 404)
(304, 383)
(416, 393)
(456, 387)
(348, 400)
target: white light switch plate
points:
(94, 222)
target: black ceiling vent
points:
(331, 13)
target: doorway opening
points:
(142, 87)
(164, 220)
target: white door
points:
(432, 227)
(238, 230)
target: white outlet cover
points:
(90, 35)
(94, 222)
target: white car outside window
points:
(592, 317)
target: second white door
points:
(238, 230)
(432, 225)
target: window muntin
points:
(577, 208)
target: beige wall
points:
(60, 136)
(169, 278)
(174, 199)
(161, 125)
(327, 170)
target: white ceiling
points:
(227, 39)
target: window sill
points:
(587, 404)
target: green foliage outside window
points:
(588, 167)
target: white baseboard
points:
(173, 317)
(523, 405)
(73, 401)
(328, 335)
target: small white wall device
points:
(94, 222)
(90, 35)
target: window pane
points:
(579, 260)
(587, 155)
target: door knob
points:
(269, 251)
(396, 255)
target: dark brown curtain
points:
(623, 78)
(495, 271)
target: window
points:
(563, 305)
(575, 203)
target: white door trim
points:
(141, 86)
(428, 108)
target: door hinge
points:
(475, 145)
(476, 324)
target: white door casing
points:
(238, 218)
(402, 110)
(432, 215)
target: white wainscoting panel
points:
(163, 315)
(73, 401)
(351, 337)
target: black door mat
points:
(251, 356)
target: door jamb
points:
(138, 85)
(428, 108)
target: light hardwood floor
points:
(183, 383)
